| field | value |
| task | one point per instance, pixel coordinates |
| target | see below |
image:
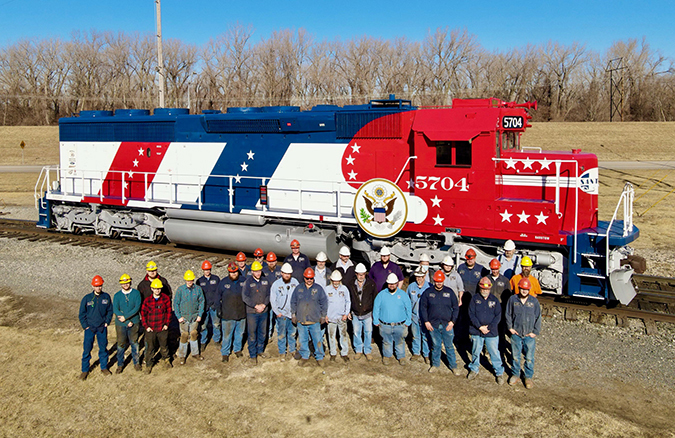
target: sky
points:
(497, 25)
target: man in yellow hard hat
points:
(127, 309)
(151, 274)
(526, 266)
(256, 295)
(188, 305)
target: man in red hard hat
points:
(298, 261)
(209, 284)
(471, 272)
(96, 312)
(240, 260)
(271, 271)
(501, 287)
(309, 308)
(523, 320)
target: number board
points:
(512, 122)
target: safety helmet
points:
(97, 281)
(321, 257)
(424, 257)
(287, 268)
(156, 284)
(189, 275)
(232, 267)
(360, 269)
(494, 264)
(241, 257)
(344, 251)
(448, 260)
(258, 252)
(470, 254)
(439, 276)
(509, 245)
(336, 276)
(309, 273)
(524, 283)
(151, 266)
(295, 244)
(419, 272)
(526, 261)
(271, 257)
(385, 251)
(392, 278)
(206, 265)
(485, 283)
(256, 266)
(124, 279)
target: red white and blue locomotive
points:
(417, 180)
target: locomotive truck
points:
(435, 180)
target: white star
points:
(438, 220)
(352, 175)
(523, 217)
(350, 160)
(244, 167)
(135, 163)
(511, 163)
(541, 218)
(230, 191)
(237, 179)
(545, 163)
(527, 163)
(436, 201)
(131, 174)
(410, 183)
(506, 216)
(356, 148)
(126, 185)
(140, 152)
(250, 155)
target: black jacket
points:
(364, 305)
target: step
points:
(592, 254)
(591, 275)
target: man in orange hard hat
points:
(240, 260)
(309, 308)
(209, 284)
(298, 261)
(96, 312)
(523, 321)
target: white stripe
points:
(534, 181)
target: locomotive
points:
(435, 180)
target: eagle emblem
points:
(380, 208)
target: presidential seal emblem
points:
(380, 208)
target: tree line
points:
(42, 80)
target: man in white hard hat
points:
(392, 313)
(339, 306)
(425, 261)
(380, 271)
(510, 263)
(321, 271)
(280, 301)
(362, 292)
(452, 279)
(344, 265)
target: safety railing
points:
(626, 198)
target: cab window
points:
(453, 153)
(510, 140)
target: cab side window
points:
(453, 153)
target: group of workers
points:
(471, 306)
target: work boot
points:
(332, 358)
(198, 356)
(106, 372)
(148, 369)
(456, 372)
(138, 367)
(181, 360)
(84, 375)
(167, 364)
(513, 380)
(386, 361)
(263, 355)
(253, 361)
(500, 379)
(303, 362)
(282, 357)
(225, 358)
(345, 358)
(426, 360)
(290, 356)
(402, 362)
(529, 384)
(433, 369)
(238, 354)
(368, 356)
(297, 356)
(472, 375)
(358, 356)
(118, 370)
(319, 363)
(415, 358)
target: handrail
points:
(627, 196)
(412, 157)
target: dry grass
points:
(42, 145)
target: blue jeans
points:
(439, 337)
(188, 331)
(270, 330)
(286, 334)
(210, 318)
(102, 338)
(526, 345)
(420, 339)
(364, 326)
(333, 328)
(304, 333)
(256, 324)
(125, 336)
(233, 332)
(393, 336)
(492, 344)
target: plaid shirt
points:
(155, 314)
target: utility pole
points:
(160, 58)
(616, 86)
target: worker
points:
(392, 313)
(259, 256)
(526, 266)
(362, 295)
(256, 295)
(471, 272)
(509, 261)
(380, 270)
(155, 318)
(425, 264)
(271, 271)
(309, 307)
(298, 261)
(344, 265)
(151, 274)
(96, 312)
(127, 309)
(501, 286)
(240, 259)
(232, 312)
(523, 320)
(210, 321)
(452, 280)
(485, 313)
(280, 301)
(420, 342)
(188, 305)
(339, 307)
(321, 271)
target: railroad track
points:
(655, 301)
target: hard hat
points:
(151, 266)
(206, 265)
(448, 260)
(156, 284)
(271, 257)
(287, 268)
(344, 251)
(524, 283)
(485, 283)
(241, 257)
(321, 257)
(439, 276)
(424, 257)
(258, 252)
(419, 272)
(97, 281)
(360, 269)
(256, 266)
(309, 273)
(509, 245)
(189, 275)
(124, 279)
(336, 276)
(295, 243)
(470, 254)
(526, 261)
(232, 267)
(494, 264)
(385, 251)
(392, 278)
